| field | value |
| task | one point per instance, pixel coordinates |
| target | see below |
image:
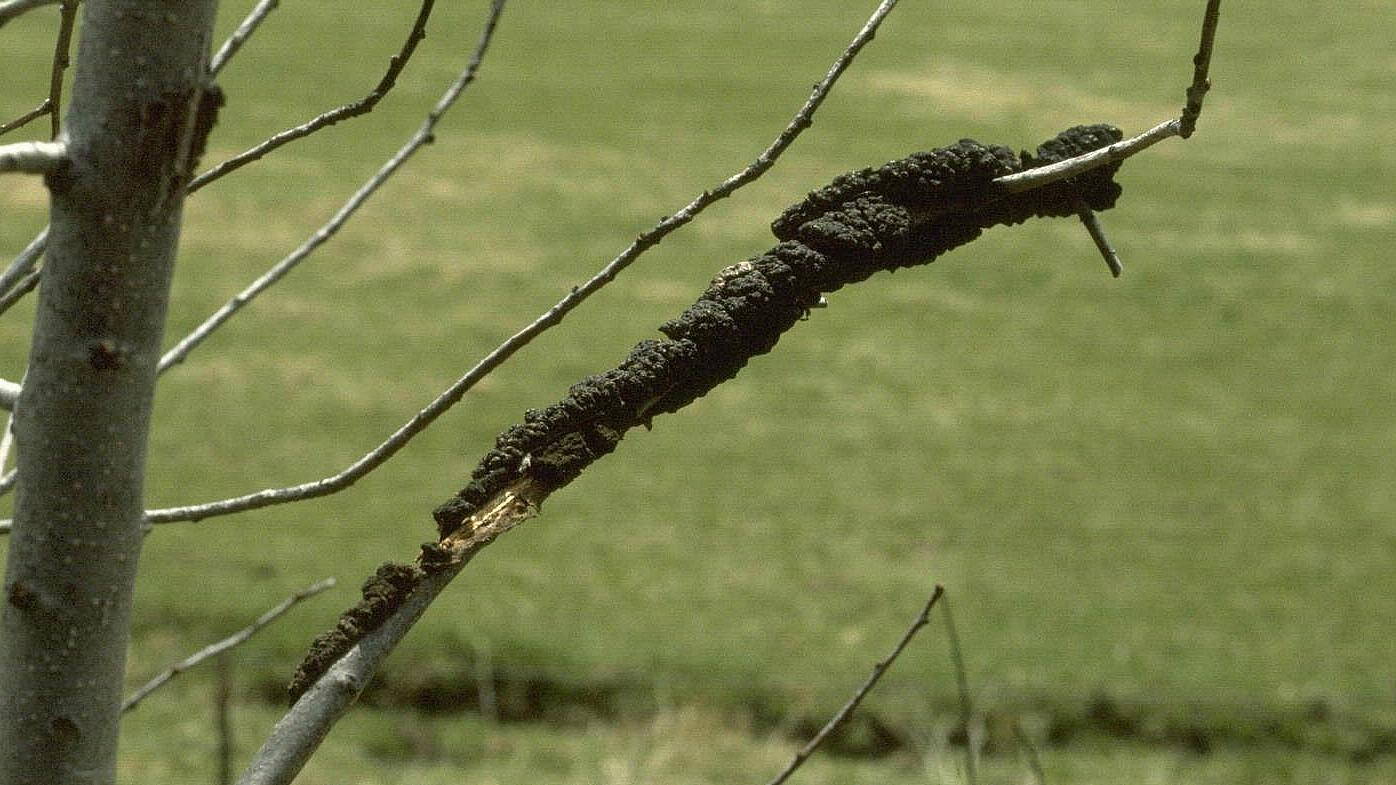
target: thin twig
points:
(26, 118)
(957, 659)
(362, 106)
(1102, 242)
(236, 639)
(7, 441)
(422, 137)
(1201, 62)
(68, 14)
(24, 286)
(550, 318)
(23, 263)
(841, 716)
(239, 36)
(223, 721)
(9, 9)
(33, 157)
(1181, 126)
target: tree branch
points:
(362, 106)
(26, 118)
(422, 137)
(841, 716)
(33, 157)
(23, 263)
(550, 318)
(1181, 126)
(9, 9)
(22, 287)
(9, 393)
(1119, 151)
(239, 36)
(1202, 62)
(68, 14)
(234, 640)
(957, 660)
(300, 731)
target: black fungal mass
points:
(901, 214)
(382, 594)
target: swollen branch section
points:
(905, 213)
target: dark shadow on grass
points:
(1316, 727)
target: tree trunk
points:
(139, 112)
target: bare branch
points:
(23, 263)
(9, 9)
(362, 106)
(22, 287)
(236, 639)
(68, 14)
(9, 392)
(1182, 126)
(841, 716)
(33, 157)
(1201, 62)
(239, 36)
(550, 318)
(957, 659)
(1119, 151)
(422, 137)
(1102, 242)
(223, 720)
(26, 118)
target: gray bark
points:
(136, 121)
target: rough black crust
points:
(383, 593)
(904, 213)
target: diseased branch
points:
(841, 716)
(550, 318)
(68, 14)
(236, 639)
(903, 214)
(906, 213)
(422, 137)
(26, 118)
(305, 725)
(9, 9)
(239, 36)
(362, 106)
(1119, 151)
(33, 157)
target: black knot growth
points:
(906, 212)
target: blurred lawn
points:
(1173, 491)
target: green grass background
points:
(1169, 495)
